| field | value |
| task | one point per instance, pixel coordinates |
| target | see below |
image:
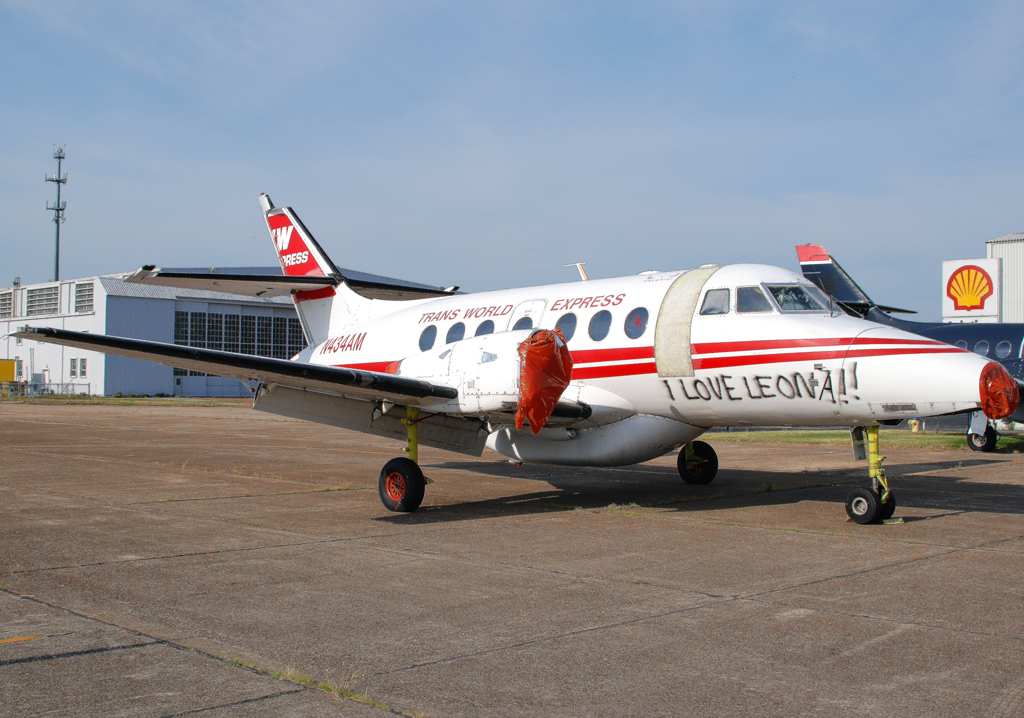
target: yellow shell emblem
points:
(969, 287)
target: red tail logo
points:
(282, 237)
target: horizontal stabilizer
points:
(249, 285)
(333, 380)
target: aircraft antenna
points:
(579, 267)
(58, 209)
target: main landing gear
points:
(401, 483)
(865, 506)
(983, 442)
(697, 463)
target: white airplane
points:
(605, 373)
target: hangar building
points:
(107, 304)
(1010, 249)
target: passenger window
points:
(961, 344)
(457, 331)
(523, 323)
(567, 323)
(794, 299)
(636, 323)
(600, 323)
(486, 327)
(981, 348)
(427, 337)
(716, 301)
(1003, 349)
(751, 299)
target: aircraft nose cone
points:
(999, 395)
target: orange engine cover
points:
(545, 369)
(999, 394)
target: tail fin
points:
(301, 256)
(819, 267)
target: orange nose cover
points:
(999, 395)
(545, 369)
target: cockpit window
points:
(716, 301)
(792, 298)
(751, 299)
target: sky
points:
(487, 144)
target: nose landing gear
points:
(877, 504)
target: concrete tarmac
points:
(214, 561)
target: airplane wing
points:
(333, 380)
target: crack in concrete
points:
(74, 654)
(246, 701)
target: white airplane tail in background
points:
(325, 310)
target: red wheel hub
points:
(395, 486)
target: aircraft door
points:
(530, 310)
(672, 333)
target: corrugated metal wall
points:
(151, 319)
(1011, 251)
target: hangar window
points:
(751, 299)
(81, 367)
(180, 336)
(981, 348)
(961, 344)
(427, 337)
(523, 323)
(280, 343)
(457, 331)
(636, 323)
(247, 335)
(1003, 349)
(716, 301)
(486, 327)
(231, 333)
(264, 336)
(600, 323)
(792, 298)
(296, 339)
(567, 323)
(6, 304)
(74, 368)
(215, 331)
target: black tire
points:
(863, 506)
(887, 509)
(703, 466)
(401, 485)
(985, 442)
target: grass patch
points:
(59, 399)
(899, 439)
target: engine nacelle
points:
(484, 369)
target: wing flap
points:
(332, 380)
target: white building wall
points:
(49, 363)
(1010, 248)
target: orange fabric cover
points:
(545, 369)
(999, 394)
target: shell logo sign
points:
(969, 287)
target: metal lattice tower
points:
(57, 209)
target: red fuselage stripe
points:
(589, 356)
(719, 347)
(304, 295)
(755, 359)
(378, 366)
(601, 372)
